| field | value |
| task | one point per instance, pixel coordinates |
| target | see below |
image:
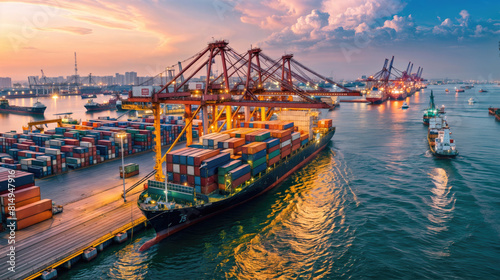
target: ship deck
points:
(94, 212)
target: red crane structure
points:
(253, 70)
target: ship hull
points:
(376, 100)
(99, 108)
(24, 110)
(399, 96)
(168, 222)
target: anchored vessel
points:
(439, 138)
(94, 106)
(37, 109)
(185, 205)
(376, 95)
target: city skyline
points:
(345, 39)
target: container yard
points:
(72, 147)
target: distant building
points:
(119, 79)
(130, 78)
(5, 82)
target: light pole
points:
(121, 136)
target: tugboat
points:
(92, 106)
(439, 137)
(37, 109)
(405, 106)
(432, 111)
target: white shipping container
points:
(196, 86)
(63, 165)
(190, 170)
(85, 144)
(286, 143)
(142, 91)
(177, 168)
(25, 161)
(295, 136)
(50, 151)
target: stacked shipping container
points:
(83, 145)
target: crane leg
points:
(189, 129)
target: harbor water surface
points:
(373, 204)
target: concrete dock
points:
(94, 212)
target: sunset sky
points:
(340, 38)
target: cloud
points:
(69, 29)
(465, 27)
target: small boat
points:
(405, 106)
(441, 110)
(460, 90)
(447, 90)
(471, 101)
(88, 95)
(492, 110)
(483, 90)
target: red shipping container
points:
(35, 219)
(190, 179)
(273, 160)
(177, 178)
(295, 147)
(296, 142)
(183, 168)
(33, 209)
(208, 180)
(241, 180)
(21, 195)
(285, 152)
(209, 188)
(285, 138)
(270, 150)
(18, 204)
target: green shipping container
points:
(273, 154)
(257, 162)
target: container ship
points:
(397, 94)
(37, 109)
(376, 96)
(92, 106)
(439, 137)
(229, 169)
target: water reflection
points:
(442, 202)
(307, 222)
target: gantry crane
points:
(222, 97)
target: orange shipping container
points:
(33, 208)
(35, 219)
(253, 148)
(19, 204)
(21, 195)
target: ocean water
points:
(374, 204)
